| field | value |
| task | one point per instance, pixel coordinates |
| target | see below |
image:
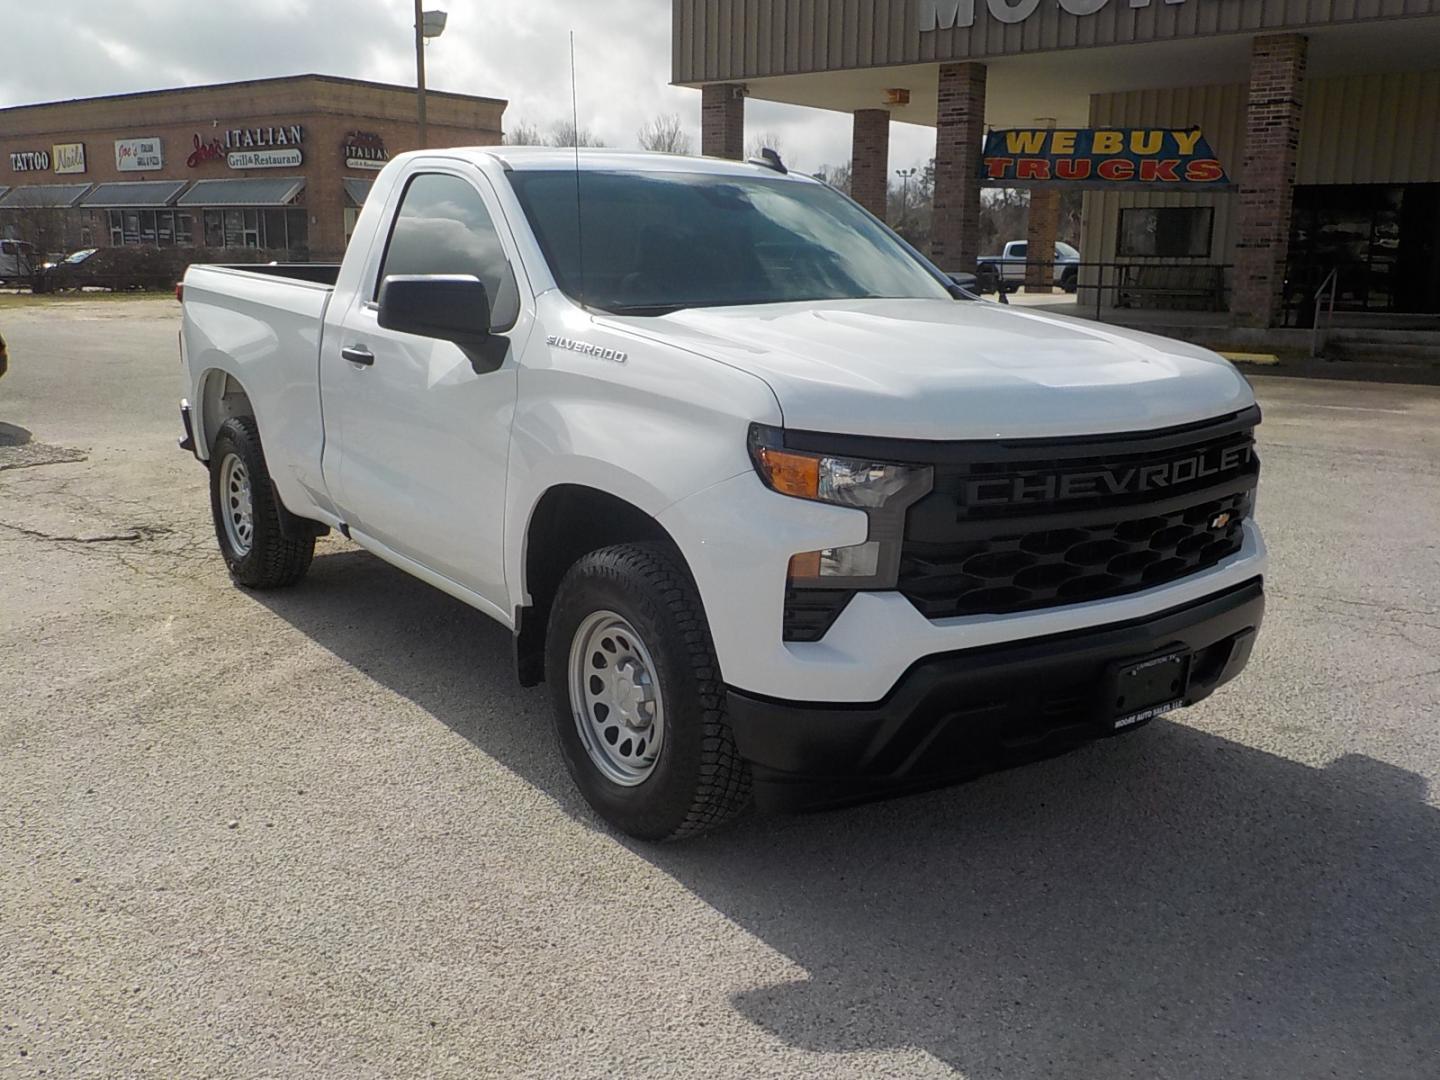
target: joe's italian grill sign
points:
(1101, 158)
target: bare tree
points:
(764, 140)
(837, 176)
(524, 133)
(564, 133)
(666, 135)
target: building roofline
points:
(340, 80)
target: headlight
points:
(883, 490)
(866, 485)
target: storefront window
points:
(1173, 232)
(297, 233)
(117, 227)
(214, 228)
(184, 228)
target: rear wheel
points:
(639, 704)
(1069, 280)
(247, 513)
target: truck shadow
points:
(1167, 904)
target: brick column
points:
(722, 120)
(870, 160)
(1041, 231)
(1267, 183)
(959, 131)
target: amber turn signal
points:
(790, 473)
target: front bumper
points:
(962, 714)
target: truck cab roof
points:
(602, 159)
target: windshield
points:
(659, 241)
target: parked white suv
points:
(770, 504)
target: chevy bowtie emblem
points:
(1219, 521)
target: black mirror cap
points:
(966, 286)
(451, 307)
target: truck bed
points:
(318, 273)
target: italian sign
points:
(1164, 158)
(69, 157)
(245, 148)
(264, 159)
(139, 155)
(364, 150)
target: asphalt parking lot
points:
(322, 833)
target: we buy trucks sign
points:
(1157, 158)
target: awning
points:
(138, 193)
(3, 189)
(280, 191)
(46, 195)
(357, 190)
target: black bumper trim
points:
(188, 442)
(958, 715)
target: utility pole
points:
(420, 69)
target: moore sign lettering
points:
(947, 14)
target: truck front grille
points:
(1037, 524)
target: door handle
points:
(357, 354)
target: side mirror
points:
(968, 286)
(451, 307)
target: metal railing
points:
(1319, 334)
(1192, 286)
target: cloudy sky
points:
(515, 49)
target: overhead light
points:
(897, 96)
(432, 23)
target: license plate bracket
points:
(1144, 688)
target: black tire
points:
(1069, 280)
(988, 277)
(699, 780)
(272, 561)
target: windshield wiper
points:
(644, 309)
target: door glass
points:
(444, 228)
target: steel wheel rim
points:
(615, 699)
(237, 505)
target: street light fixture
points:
(428, 24)
(905, 176)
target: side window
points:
(444, 228)
(1019, 250)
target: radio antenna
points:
(575, 133)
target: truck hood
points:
(942, 369)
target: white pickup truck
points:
(773, 506)
(1008, 268)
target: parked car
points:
(17, 262)
(1008, 269)
(118, 268)
(790, 519)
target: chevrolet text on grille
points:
(1051, 487)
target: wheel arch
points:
(566, 523)
(221, 395)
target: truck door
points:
(417, 439)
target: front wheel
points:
(639, 704)
(247, 514)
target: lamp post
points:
(428, 24)
(905, 175)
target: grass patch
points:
(11, 301)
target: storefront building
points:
(280, 165)
(1323, 117)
